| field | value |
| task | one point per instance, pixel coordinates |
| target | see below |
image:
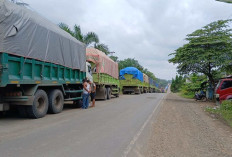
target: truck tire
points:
(108, 93)
(39, 107)
(56, 101)
(105, 93)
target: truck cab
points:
(224, 90)
(89, 71)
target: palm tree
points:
(102, 47)
(88, 39)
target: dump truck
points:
(131, 80)
(104, 73)
(41, 66)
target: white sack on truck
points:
(145, 78)
(27, 34)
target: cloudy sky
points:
(146, 30)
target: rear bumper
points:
(19, 100)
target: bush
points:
(224, 111)
(226, 105)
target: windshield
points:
(218, 84)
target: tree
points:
(131, 62)
(114, 58)
(208, 50)
(88, 38)
(102, 47)
(177, 83)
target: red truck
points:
(224, 89)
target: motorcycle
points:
(200, 96)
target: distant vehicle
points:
(224, 90)
(131, 80)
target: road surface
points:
(112, 129)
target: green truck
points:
(131, 85)
(105, 74)
(41, 66)
(131, 81)
(145, 83)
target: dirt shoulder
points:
(183, 128)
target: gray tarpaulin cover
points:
(25, 33)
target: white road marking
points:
(135, 138)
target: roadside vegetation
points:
(187, 86)
(204, 59)
(208, 51)
(224, 111)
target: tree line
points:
(92, 39)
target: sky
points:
(147, 31)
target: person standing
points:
(93, 93)
(85, 94)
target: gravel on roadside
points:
(184, 129)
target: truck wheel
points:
(56, 101)
(39, 107)
(105, 93)
(108, 93)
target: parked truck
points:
(105, 74)
(41, 66)
(145, 83)
(151, 85)
(131, 80)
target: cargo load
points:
(145, 78)
(132, 71)
(104, 64)
(25, 33)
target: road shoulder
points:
(183, 128)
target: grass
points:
(187, 95)
(224, 111)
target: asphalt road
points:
(111, 129)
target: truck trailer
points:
(131, 80)
(104, 72)
(145, 83)
(151, 85)
(41, 66)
